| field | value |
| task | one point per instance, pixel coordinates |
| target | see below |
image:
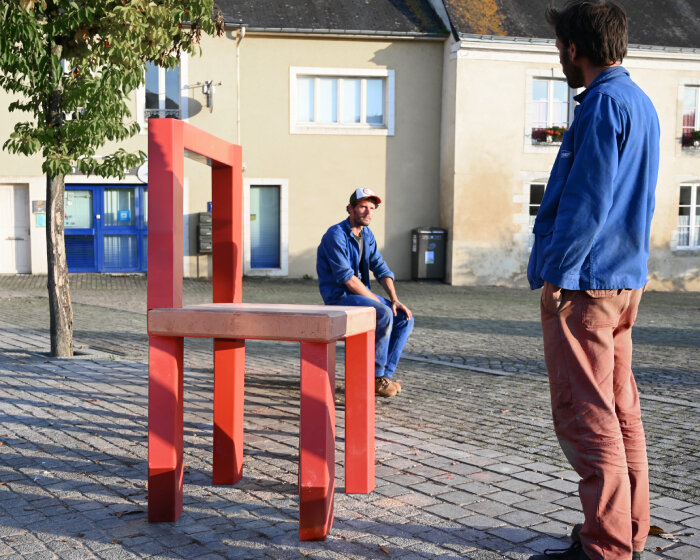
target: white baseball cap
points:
(363, 192)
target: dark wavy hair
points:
(598, 28)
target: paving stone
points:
(570, 516)
(513, 534)
(481, 522)
(507, 497)
(448, 511)
(478, 488)
(683, 553)
(561, 485)
(669, 514)
(430, 488)
(522, 518)
(531, 476)
(538, 506)
(695, 510)
(690, 522)
(459, 498)
(489, 508)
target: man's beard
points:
(574, 74)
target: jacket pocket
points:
(562, 165)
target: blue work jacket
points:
(592, 228)
(338, 260)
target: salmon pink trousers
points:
(597, 418)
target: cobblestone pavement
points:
(467, 462)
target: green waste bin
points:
(428, 253)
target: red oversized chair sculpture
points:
(229, 322)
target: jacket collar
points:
(606, 75)
(348, 228)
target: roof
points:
(661, 23)
(370, 17)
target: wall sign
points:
(142, 173)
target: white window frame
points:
(385, 129)
(531, 218)
(184, 95)
(681, 99)
(283, 270)
(694, 212)
(523, 231)
(552, 75)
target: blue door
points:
(106, 228)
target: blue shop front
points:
(106, 228)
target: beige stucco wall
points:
(495, 160)
(320, 170)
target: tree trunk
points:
(60, 307)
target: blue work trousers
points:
(391, 334)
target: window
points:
(536, 196)
(689, 217)
(162, 94)
(690, 134)
(551, 103)
(341, 101)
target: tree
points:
(73, 65)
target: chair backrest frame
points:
(169, 141)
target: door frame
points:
(25, 210)
(283, 270)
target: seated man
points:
(348, 251)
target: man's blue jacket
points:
(592, 228)
(338, 260)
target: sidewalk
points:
(467, 462)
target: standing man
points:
(348, 251)
(590, 256)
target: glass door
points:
(264, 226)
(106, 228)
(80, 231)
(119, 234)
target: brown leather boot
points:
(576, 537)
(385, 387)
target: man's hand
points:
(551, 297)
(396, 305)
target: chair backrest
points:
(169, 141)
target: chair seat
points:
(318, 323)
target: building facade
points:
(450, 110)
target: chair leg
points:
(229, 369)
(316, 440)
(359, 413)
(165, 438)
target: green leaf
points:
(95, 100)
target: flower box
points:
(691, 139)
(551, 135)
